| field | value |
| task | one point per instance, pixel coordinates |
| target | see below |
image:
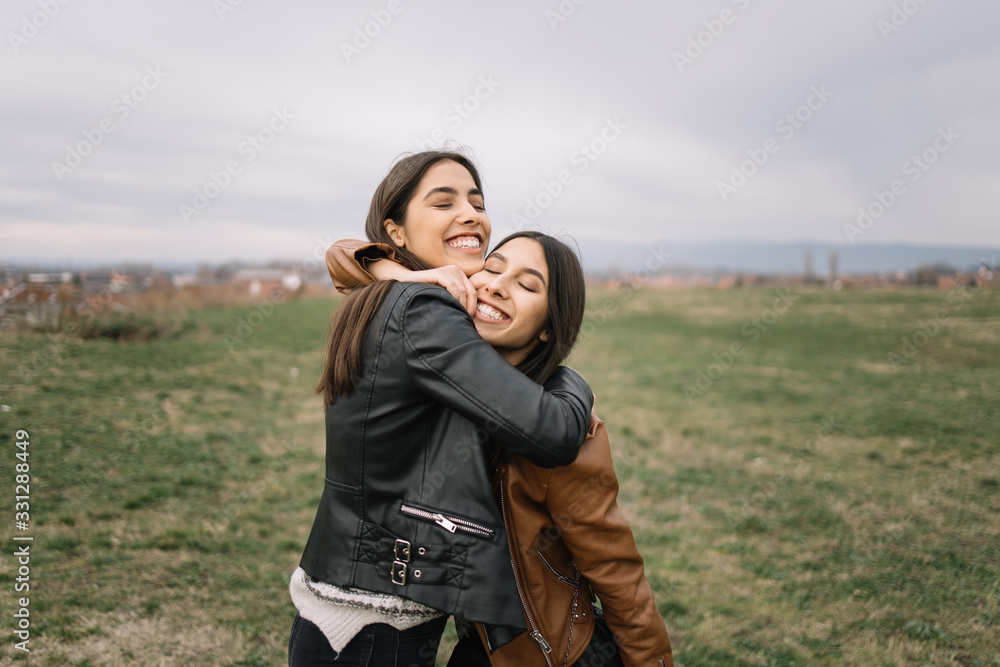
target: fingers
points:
(471, 300)
(455, 281)
(460, 287)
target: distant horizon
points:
(599, 254)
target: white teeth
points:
(490, 312)
(464, 242)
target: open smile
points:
(491, 314)
(467, 243)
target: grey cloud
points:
(558, 86)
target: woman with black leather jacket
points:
(407, 531)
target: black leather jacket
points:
(407, 507)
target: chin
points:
(486, 333)
(469, 265)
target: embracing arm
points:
(451, 363)
(354, 263)
(348, 262)
(582, 501)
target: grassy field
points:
(813, 477)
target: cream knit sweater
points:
(341, 613)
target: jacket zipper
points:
(535, 634)
(562, 577)
(449, 523)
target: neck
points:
(515, 357)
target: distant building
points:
(259, 282)
(180, 280)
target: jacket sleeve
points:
(346, 261)
(449, 361)
(582, 500)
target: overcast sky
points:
(700, 121)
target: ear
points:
(395, 232)
(544, 336)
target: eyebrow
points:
(526, 270)
(452, 191)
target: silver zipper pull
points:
(537, 636)
(444, 522)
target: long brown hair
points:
(351, 321)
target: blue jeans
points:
(377, 645)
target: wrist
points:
(386, 269)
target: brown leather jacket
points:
(565, 530)
(345, 260)
(564, 526)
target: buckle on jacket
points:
(401, 551)
(398, 573)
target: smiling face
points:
(513, 290)
(446, 221)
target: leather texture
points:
(407, 497)
(346, 260)
(540, 506)
(564, 520)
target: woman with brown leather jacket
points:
(569, 541)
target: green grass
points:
(814, 504)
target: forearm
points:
(349, 261)
(387, 269)
(452, 364)
(355, 263)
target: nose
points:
(469, 215)
(496, 285)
